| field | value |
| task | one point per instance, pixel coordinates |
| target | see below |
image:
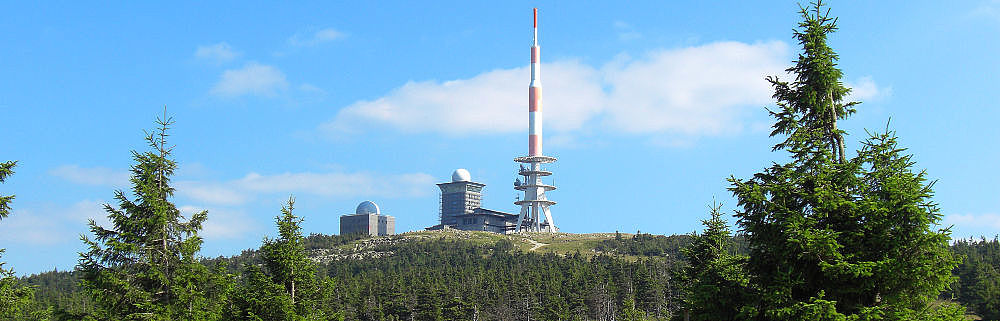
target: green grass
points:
(557, 243)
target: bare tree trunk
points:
(836, 138)
(293, 285)
(163, 156)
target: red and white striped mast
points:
(535, 95)
(534, 206)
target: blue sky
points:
(648, 106)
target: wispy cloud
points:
(99, 176)
(316, 38)
(211, 192)
(333, 184)
(988, 9)
(490, 102)
(625, 31)
(86, 210)
(701, 90)
(51, 225)
(253, 79)
(29, 226)
(217, 53)
(865, 89)
(973, 225)
(222, 223)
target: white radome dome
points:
(367, 207)
(461, 175)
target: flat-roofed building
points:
(367, 219)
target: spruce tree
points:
(258, 298)
(287, 262)
(144, 266)
(14, 296)
(715, 281)
(6, 169)
(630, 312)
(831, 237)
(285, 285)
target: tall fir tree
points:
(833, 238)
(14, 296)
(287, 262)
(287, 287)
(258, 298)
(145, 266)
(715, 280)
(6, 169)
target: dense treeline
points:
(449, 279)
(455, 280)
(14, 296)
(645, 245)
(470, 280)
(977, 283)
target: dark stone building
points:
(461, 207)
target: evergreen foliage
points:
(642, 244)
(435, 279)
(977, 284)
(6, 169)
(144, 267)
(715, 284)
(285, 259)
(258, 298)
(15, 297)
(391, 288)
(285, 286)
(836, 238)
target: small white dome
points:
(461, 175)
(367, 207)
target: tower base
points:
(535, 215)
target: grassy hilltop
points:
(623, 245)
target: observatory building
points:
(461, 207)
(367, 219)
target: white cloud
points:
(221, 223)
(865, 88)
(99, 176)
(318, 37)
(988, 9)
(694, 91)
(336, 184)
(311, 89)
(973, 224)
(86, 210)
(625, 31)
(217, 53)
(51, 225)
(253, 79)
(28, 226)
(212, 193)
(491, 102)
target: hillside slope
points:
(324, 249)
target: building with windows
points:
(367, 219)
(461, 207)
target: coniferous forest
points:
(838, 230)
